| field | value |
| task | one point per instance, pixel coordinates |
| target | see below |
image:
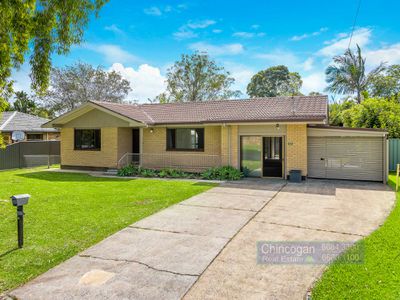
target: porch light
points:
(151, 130)
(277, 127)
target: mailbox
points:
(19, 200)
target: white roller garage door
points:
(355, 158)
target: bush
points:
(164, 173)
(222, 173)
(129, 170)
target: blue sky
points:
(141, 39)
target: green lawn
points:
(69, 212)
(378, 277)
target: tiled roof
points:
(297, 108)
(14, 120)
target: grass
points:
(69, 212)
(379, 276)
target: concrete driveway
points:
(205, 247)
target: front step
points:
(111, 172)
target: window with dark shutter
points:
(185, 139)
(87, 139)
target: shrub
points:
(129, 170)
(222, 173)
(148, 173)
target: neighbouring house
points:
(264, 137)
(14, 121)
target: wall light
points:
(151, 130)
(277, 127)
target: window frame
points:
(76, 148)
(201, 139)
(37, 134)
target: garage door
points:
(355, 158)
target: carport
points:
(347, 153)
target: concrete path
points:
(161, 256)
(313, 211)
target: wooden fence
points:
(30, 154)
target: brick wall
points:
(155, 154)
(230, 145)
(296, 145)
(107, 157)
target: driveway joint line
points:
(236, 194)
(310, 228)
(240, 229)
(177, 232)
(218, 207)
(137, 262)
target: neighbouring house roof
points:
(14, 120)
(268, 109)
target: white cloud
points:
(308, 35)
(112, 53)
(217, 30)
(114, 28)
(247, 35)
(280, 57)
(160, 10)
(146, 82)
(242, 75)
(314, 82)
(217, 50)
(389, 54)
(184, 33)
(308, 64)
(255, 26)
(338, 46)
(153, 11)
(200, 24)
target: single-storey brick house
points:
(265, 137)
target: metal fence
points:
(175, 160)
(394, 153)
(30, 154)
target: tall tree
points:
(197, 77)
(386, 84)
(74, 85)
(275, 81)
(348, 76)
(44, 27)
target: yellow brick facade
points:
(155, 154)
(230, 145)
(107, 157)
(296, 148)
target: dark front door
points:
(135, 144)
(272, 156)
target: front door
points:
(272, 157)
(135, 145)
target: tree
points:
(196, 78)
(43, 27)
(386, 84)
(24, 103)
(374, 113)
(348, 75)
(275, 81)
(336, 110)
(74, 85)
(315, 94)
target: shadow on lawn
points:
(68, 177)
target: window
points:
(87, 139)
(189, 139)
(34, 137)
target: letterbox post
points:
(19, 201)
